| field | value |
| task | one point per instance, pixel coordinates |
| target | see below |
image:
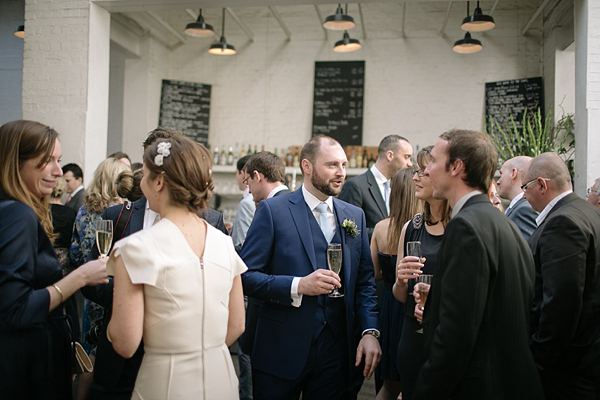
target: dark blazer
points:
(76, 201)
(34, 343)
(566, 319)
(279, 247)
(363, 192)
(476, 319)
(247, 339)
(522, 215)
(114, 376)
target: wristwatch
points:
(373, 332)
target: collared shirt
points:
(514, 201)
(380, 179)
(149, 216)
(461, 202)
(550, 206)
(76, 190)
(312, 203)
(277, 190)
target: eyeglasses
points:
(592, 190)
(531, 182)
(420, 173)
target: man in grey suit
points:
(74, 177)
(371, 190)
(565, 338)
(509, 187)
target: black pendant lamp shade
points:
(20, 32)
(339, 21)
(468, 45)
(347, 45)
(478, 22)
(199, 28)
(222, 48)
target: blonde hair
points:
(60, 187)
(102, 191)
(20, 141)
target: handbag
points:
(81, 361)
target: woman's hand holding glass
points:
(93, 272)
(408, 268)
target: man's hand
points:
(321, 281)
(369, 346)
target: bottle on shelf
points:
(283, 156)
(352, 159)
(230, 156)
(243, 151)
(262, 148)
(288, 157)
(236, 153)
(223, 157)
(296, 159)
(359, 159)
(365, 161)
(249, 152)
(216, 156)
(255, 149)
(371, 161)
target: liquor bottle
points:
(296, 159)
(288, 157)
(230, 156)
(283, 156)
(223, 157)
(262, 148)
(359, 159)
(276, 152)
(352, 159)
(236, 153)
(255, 149)
(249, 152)
(243, 151)
(371, 161)
(365, 161)
(216, 156)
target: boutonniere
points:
(350, 227)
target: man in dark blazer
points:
(368, 191)
(565, 337)
(509, 187)
(74, 177)
(302, 335)
(476, 318)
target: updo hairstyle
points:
(128, 184)
(186, 169)
(60, 187)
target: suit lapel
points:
(513, 208)
(137, 217)
(376, 193)
(298, 209)
(341, 215)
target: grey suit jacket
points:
(362, 191)
(76, 201)
(522, 215)
(243, 219)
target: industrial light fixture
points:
(20, 32)
(199, 28)
(478, 22)
(222, 48)
(339, 21)
(467, 45)
(347, 45)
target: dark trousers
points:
(323, 377)
(560, 384)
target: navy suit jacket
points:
(522, 215)
(279, 247)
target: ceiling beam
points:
(362, 21)
(151, 29)
(443, 29)
(534, 17)
(240, 23)
(494, 7)
(321, 20)
(281, 23)
(167, 26)
(192, 13)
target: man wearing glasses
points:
(565, 322)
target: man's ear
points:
(514, 174)
(389, 155)
(306, 166)
(457, 168)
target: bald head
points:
(551, 167)
(520, 163)
(511, 177)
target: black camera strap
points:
(122, 221)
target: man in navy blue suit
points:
(302, 335)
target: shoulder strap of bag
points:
(122, 220)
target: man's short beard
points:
(323, 186)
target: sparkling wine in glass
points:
(334, 261)
(413, 249)
(423, 286)
(104, 236)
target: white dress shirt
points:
(277, 190)
(149, 216)
(540, 218)
(381, 180)
(514, 201)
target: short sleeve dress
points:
(186, 311)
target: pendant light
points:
(347, 45)
(199, 28)
(222, 48)
(339, 21)
(467, 45)
(20, 32)
(478, 22)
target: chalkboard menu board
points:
(506, 98)
(185, 107)
(338, 101)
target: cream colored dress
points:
(186, 309)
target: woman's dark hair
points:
(128, 185)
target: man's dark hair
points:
(267, 164)
(311, 149)
(242, 162)
(136, 166)
(159, 133)
(74, 169)
(119, 154)
(390, 142)
(477, 153)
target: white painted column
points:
(65, 75)
(587, 94)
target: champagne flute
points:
(104, 236)
(334, 261)
(423, 286)
(413, 249)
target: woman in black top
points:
(428, 228)
(63, 218)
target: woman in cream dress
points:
(178, 284)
